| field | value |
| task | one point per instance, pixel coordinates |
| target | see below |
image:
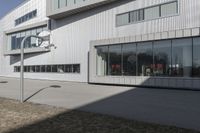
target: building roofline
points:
(22, 3)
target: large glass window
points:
(68, 68)
(22, 35)
(70, 2)
(115, 60)
(54, 68)
(76, 68)
(79, 1)
(43, 68)
(148, 13)
(152, 13)
(13, 41)
(182, 57)
(62, 3)
(48, 68)
(102, 60)
(137, 15)
(37, 69)
(123, 19)
(176, 58)
(162, 58)
(26, 17)
(196, 57)
(169, 9)
(39, 29)
(28, 41)
(32, 69)
(129, 59)
(145, 59)
(61, 68)
(17, 38)
(33, 39)
(18, 41)
(56, 4)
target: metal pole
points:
(22, 72)
(22, 67)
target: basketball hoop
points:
(42, 40)
(45, 41)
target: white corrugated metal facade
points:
(72, 34)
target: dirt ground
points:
(34, 118)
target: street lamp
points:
(22, 64)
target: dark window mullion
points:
(160, 11)
(171, 58)
(58, 3)
(137, 59)
(108, 64)
(192, 56)
(153, 57)
(122, 61)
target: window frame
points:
(144, 20)
(186, 73)
(53, 68)
(26, 17)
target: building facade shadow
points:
(168, 107)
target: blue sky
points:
(7, 5)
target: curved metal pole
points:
(22, 66)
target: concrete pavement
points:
(171, 107)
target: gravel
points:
(34, 118)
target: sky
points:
(7, 5)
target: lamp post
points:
(22, 65)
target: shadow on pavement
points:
(171, 107)
(52, 86)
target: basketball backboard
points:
(45, 42)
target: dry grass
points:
(34, 118)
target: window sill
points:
(27, 51)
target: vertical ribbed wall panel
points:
(72, 35)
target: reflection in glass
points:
(115, 60)
(70, 2)
(25, 69)
(196, 57)
(122, 19)
(55, 4)
(76, 68)
(32, 69)
(129, 59)
(152, 13)
(43, 68)
(145, 59)
(102, 60)
(54, 68)
(182, 57)
(16, 38)
(169, 9)
(48, 68)
(28, 40)
(13, 42)
(62, 3)
(72, 68)
(37, 68)
(18, 41)
(157, 58)
(162, 58)
(68, 68)
(61, 68)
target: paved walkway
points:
(170, 107)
